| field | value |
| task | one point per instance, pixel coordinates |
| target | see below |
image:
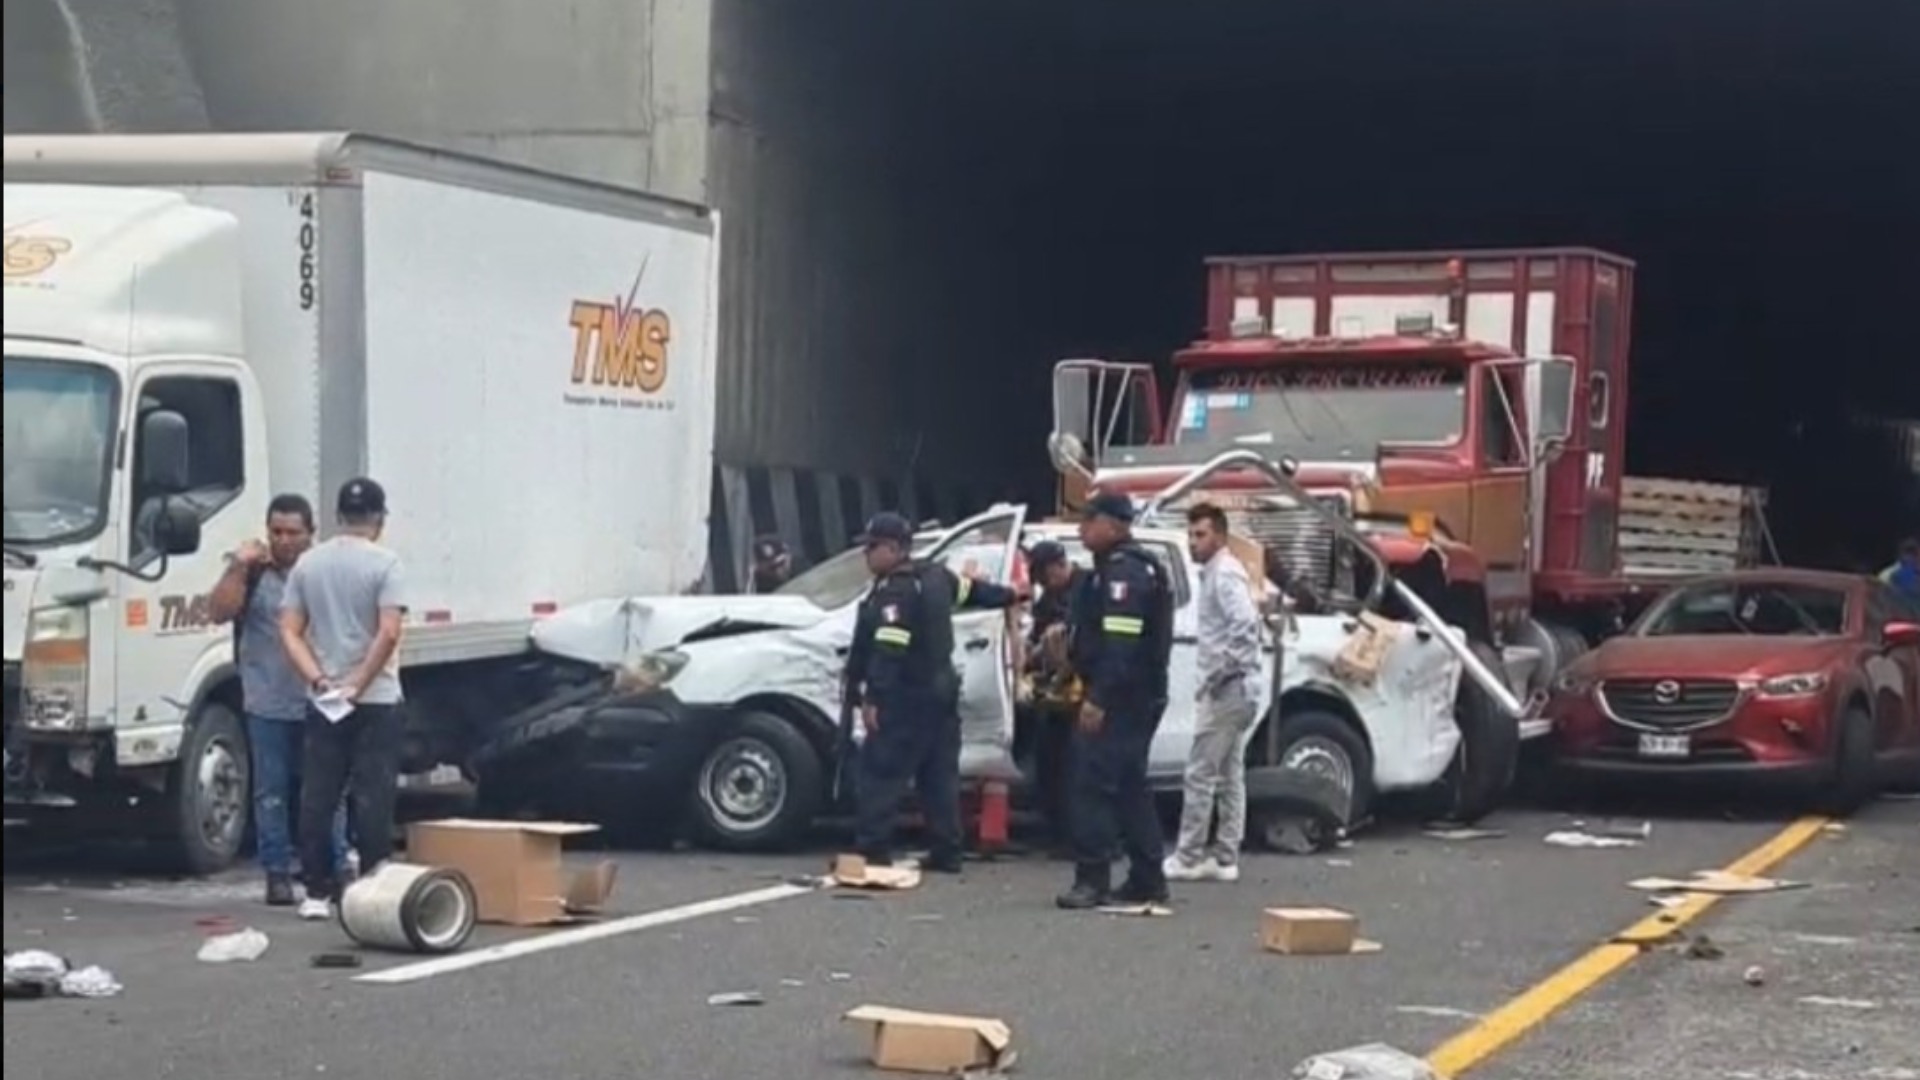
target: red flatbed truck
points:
(1468, 408)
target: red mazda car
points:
(1800, 676)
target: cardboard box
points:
(1312, 932)
(854, 872)
(515, 867)
(922, 1042)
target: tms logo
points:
(29, 255)
(620, 345)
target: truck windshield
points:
(58, 449)
(1322, 411)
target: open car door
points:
(985, 547)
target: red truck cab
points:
(1481, 391)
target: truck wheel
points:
(210, 793)
(1856, 765)
(1323, 743)
(1293, 811)
(1484, 767)
(759, 787)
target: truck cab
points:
(134, 457)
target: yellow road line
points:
(1505, 1025)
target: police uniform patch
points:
(1117, 592)
(891, 613)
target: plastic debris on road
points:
(1377, 1061)
(739, 997)
(90, 982)
(35, 973)
(241, 946)
(1569, 838)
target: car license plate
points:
(1665, 746)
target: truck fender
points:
(157, 740)
(1313, 693)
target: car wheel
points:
(1483, 768)
(758, 788)
(210, 794)
(1855, 765)
(1325, 744)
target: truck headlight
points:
(650, 672)
(1786, 686)
(53, 671)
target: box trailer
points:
(525, 361)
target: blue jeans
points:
(277, 753)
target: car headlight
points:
(1811, 682)
(650, 672)
(53, 671)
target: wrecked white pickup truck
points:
(725, 712)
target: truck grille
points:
(1304, 543)
(1670, 704)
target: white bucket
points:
(409, 908)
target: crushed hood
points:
(1716, 655)
(608, 632)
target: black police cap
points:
(1110, 504)
(888, 526)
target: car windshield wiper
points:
(21, 556)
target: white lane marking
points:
(580, 935)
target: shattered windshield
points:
(59, 439)
(832, 584)
(1324, 411)
(1771, 609)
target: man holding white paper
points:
(340, 623)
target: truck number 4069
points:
(309, 240)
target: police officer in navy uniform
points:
(1122, 641)
(901, 680)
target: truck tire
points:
(758, 788)
(1293, 811)
(1324, 743)
(1483, 768)
(209, 794)
(1856, 765)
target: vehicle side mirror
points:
(1901, 635)
(163, 452)
(1553, 420)
(1069, 454)
(178, 529)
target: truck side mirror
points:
(1069, 454)
(1553, 421)
(178, 530)
(163, 453)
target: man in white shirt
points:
(1229, 661)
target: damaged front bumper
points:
(596, 743)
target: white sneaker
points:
(314, 909)
(1226, 871)
(1176, 869)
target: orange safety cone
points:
(995, 816)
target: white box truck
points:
(196, 323)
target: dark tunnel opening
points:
(1064, 168)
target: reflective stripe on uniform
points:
(1124, 625)
(894, 635)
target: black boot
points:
(1090, 889)
(944, 862)
(280, 891)
(1141, 890)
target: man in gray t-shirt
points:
(340, 623)
(249, 596)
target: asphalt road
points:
(1465, 925)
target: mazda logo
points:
(1666, 691)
